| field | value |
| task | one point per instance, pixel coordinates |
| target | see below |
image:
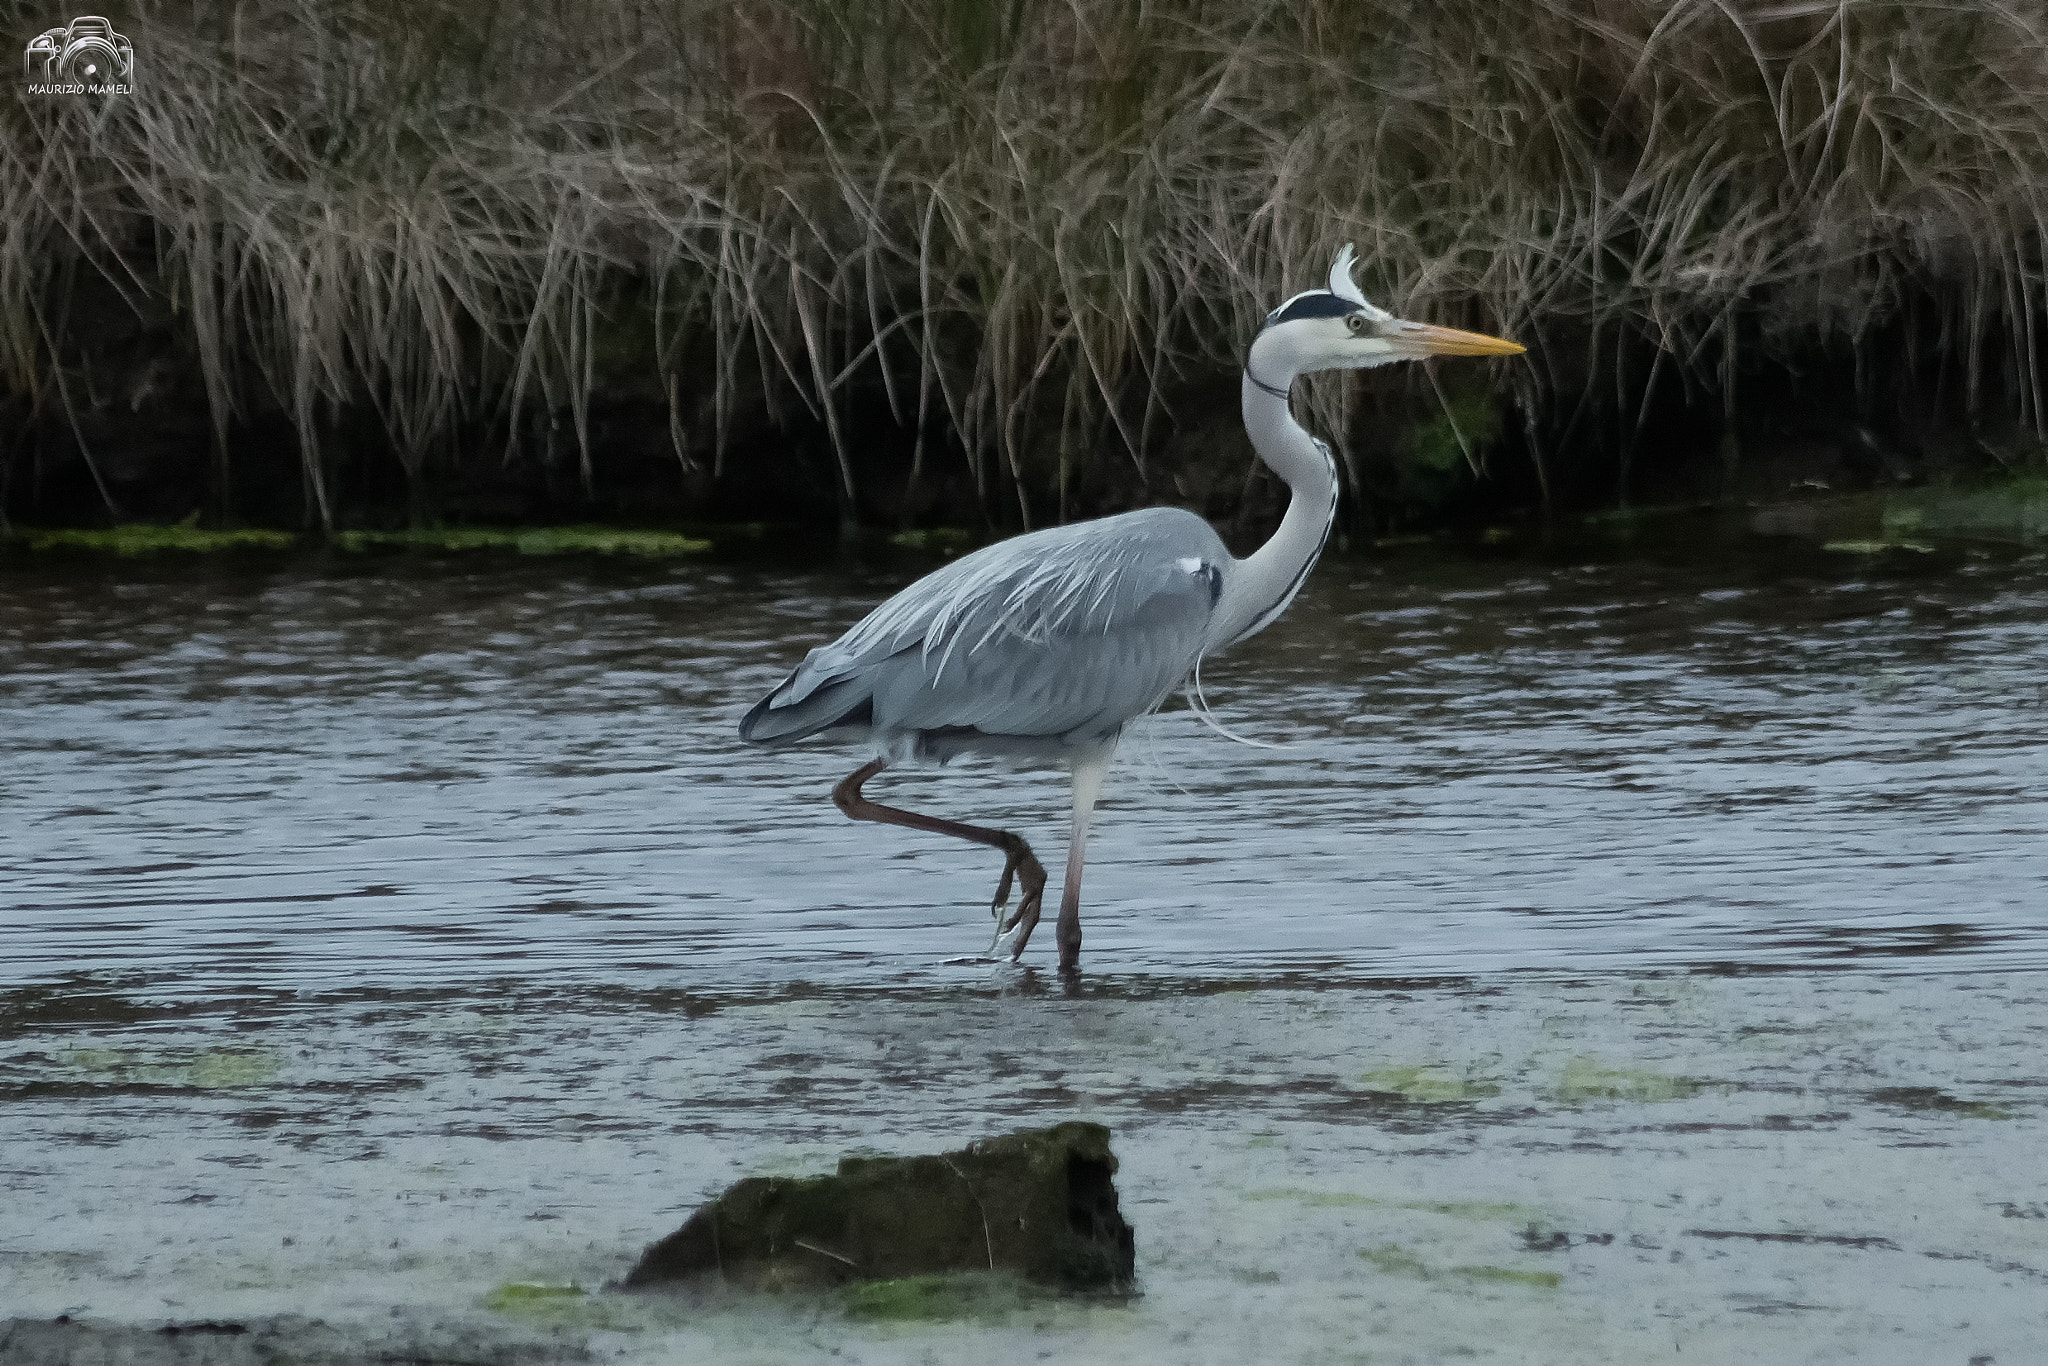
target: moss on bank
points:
(1905, 522)
(137, 539)
(561, 540)
(2014, 509)
(132, 539)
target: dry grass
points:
(1029, 222)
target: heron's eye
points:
(1356, 322)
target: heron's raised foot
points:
(1013, 931)
(1019, 863)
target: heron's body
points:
(1048, 645)
(1016, 649)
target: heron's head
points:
(1336, 329)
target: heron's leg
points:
(1019, 862)
(1088, 776)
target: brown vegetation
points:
(1034, 232)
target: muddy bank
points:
(1778, 1166)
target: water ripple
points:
(406, 774)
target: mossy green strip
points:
(1938, 1101)
(213, 1069)
(561, 540)
(1587, 1079)
(2010, 509)
(231, 1069)
(943, 539)
(1876, 547)
(1502, 1275)
(1426, 1085)
(150, 540)
(530, 1299)
(939, 1298)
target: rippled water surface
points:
(379, 939)
(417, 772)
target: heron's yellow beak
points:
(1426, 340)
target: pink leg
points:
(1020, 862)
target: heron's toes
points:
(995, 908)
(1012, 935)
(1009, 944)
(1018, 862)
(1013, 932)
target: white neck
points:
(1258, 589)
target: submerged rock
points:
(1039, 1203)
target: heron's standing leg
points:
(1020, 863)
(1088, 776)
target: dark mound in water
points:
(1039, 1203)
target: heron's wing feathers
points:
(1076, 628)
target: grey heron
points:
(1046, 646)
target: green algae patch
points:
(229, 1069)
(211, 1070)
(566, 1305)
(597, 540)
(1504, 1275)
(1399, 1261)
(517, 1295)
(938, 540)
(561, 540)
(1434, 458)
(1585, 1079)
(1427, 1085)
(537, 1300)
(137, 539)
(1932, 1099)
(1877, 547)
(940, 1298)
(2010, 510)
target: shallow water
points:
(432, 771)
(1784, 1167)
(1624, 959)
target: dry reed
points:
(1029, 223)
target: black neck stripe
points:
(1275, 390)
(1278, 605)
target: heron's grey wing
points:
(1071, 630)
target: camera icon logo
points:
(87, 52)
